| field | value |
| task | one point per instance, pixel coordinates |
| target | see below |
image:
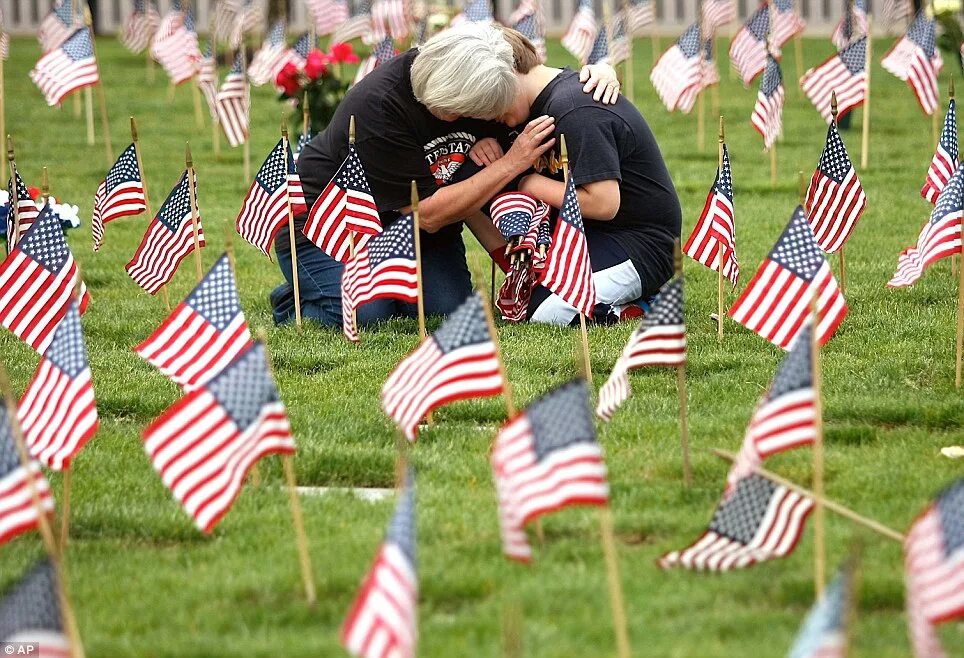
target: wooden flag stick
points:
(43, 519)
(684, 434)
(89, 115)
(14, 202)
(45, 186)
(629, 65)
(3, 105)
(418, 266)
(865, 129)
(305, 126)
(246, 147)
(351, 234)
(198, 113)
(506, 386)
(819, 534)
(147, 199)
(150, 66)
(299, 524)
(798, 56)
(295, 278)
(615, 584)
(773, 165)
(191, 182)
(719, 249)
(65, 511)
(960, 319)
(104, 122)
(587, 361)
(700, 121)
(834, 507)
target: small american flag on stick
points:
(384, 268)
(23, 211)
(175, 46)
(716, 14)
(713, 240)
(767, 118)
(532, 27)
(381, 53)
(346, 205)
(57, 26)
(824, 631)
(843, 74)
(233, 103)
(383, 620)
(458, 362)
(852, 25)
(660, 340)
(934, 569)
(275, 192)
(678, 73)
(68, 68)
(939, 238)
(776, 304)
(544, 460)
(30, 613)
(390, 18)
(207, 80)
(271, 57)
(786, 23)
(328, 15)
(140, 26)
(916, 60)
(358, 25)
(204, 444)
(748, 50)
(945, 161)
(757, 522)
(169, 238)
(579, 38)
(205, 333)
(37, 281)
(641, 13)
(835, 199)
(18, 509)
(57, 411)
(120, 194)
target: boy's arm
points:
(598, 200)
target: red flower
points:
(33, 192)
(287, 79)
(343, 53)
(316, 65)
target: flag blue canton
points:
(396, 241)
(689, 41)
(209, 50)
(528, 27)
(783, 6)
(772, 77)
(244, 387)
(797, 249)
(124, 170)
(303, 45)
(951, 199)
(759, 23)
(478, 11)
(600, 47)
(364, 8)
(571, 214)
(949, 132)
(216, 297)
(385, 50)
(44, 241)
(515, 223)
(950, 508)
(9, 458)
(401, 529)
(139, 6)
(854, 56)
(834, 161)
(826, 618)
(177, 206)
(274, 172)
(189, 20)
(740, 516)
(65, 12)
(33, 604)
(351, 175)
(708, 50)
(586, 4)
(724, 178)
(67, 350)
(796, 371)
(236, 68)
(561, 418)
(276, 37)
(79, 46)
(467, 325)
(922, 33)
(544, 236)
(667, 308)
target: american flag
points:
(328, 15)
(786, 417)
(390, 18)
(383, 620)
(533, 27)
(933, 559)
(383, 268)
(30, 613)
(271, 57)
(57, 26)
(716, 14)
(939, 238)
(767, 118)
(26, 210)
(641, 13)
(709, 76)
(844, 74)
(381, 53)
(945, 159)
(207, 79)
(57, 411)
(748, 49)
(568, 272)
(896, 11)
(776, 304)
(523, 9)
(824, 631)
(916, 60)
(169, 238)
(758, 521)
(18, 511)
(714, 237)
(300, 49)
(835, 198)
(458, 362)
(786, 22)
(579, 38)
(358, 25)
(140, 26)
(619, 38)
(240, 18)
(68, 68)
(275, 192)
(233, 103)
(476, 11)
(204, 444)
(175, 46)
(37, 281)
(120, 194)
(600, 47)
(546, 459)
(203, 334)
(4, 40)
(345, 205)
(512, 214)
(660, 340)
(852, 25)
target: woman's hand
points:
(602, 79)
(531, 143)
(486, 151)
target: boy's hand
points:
(486, 151)
(601, 78)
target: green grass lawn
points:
(145, 582)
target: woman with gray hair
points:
(408, 128)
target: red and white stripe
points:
(53, 32)
(233, 104)
(568, 272)
(203, 459)
(834, 76)
(336, 214)
(785, 25)
(834, 208)
(429, 378)
(51, 644)
(262, 214)
(18, 510)
(581, 34)
(394, 278)
(716, 14)
(941, 169)
(268, 61)
(389, 18)
(677, 79)
(748, 55)
(57, 75)
(936, 241)
(139, 28)
(767, 118)
(161, 251)
(661, 345)
(175, 48)
(713, 237)
(124, 200)
(908, 62)
(776, 304)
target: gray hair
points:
(466, 70)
